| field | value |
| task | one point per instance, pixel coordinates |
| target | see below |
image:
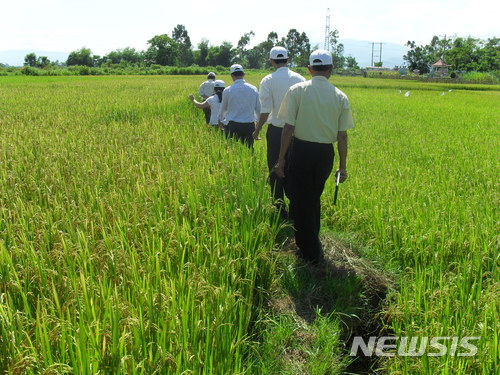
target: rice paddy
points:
(133, 240)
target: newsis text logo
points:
(416, 346)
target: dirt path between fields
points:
(346, 285)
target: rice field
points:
(133, 240)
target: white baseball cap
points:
(278, 53)
(235, 68)
(219, 83)
(211, 74)
(320, 57)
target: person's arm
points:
(286, 139)
(222, 111)
(265, 100)
(342, 149)
(198, 104)
(256, 108)
(262, 119)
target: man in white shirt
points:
(240, 107)
(205, 91)
(273, 88)
(316, 115)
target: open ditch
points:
(346, 285)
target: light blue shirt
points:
(240, 103)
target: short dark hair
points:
(321, 68)
(238, 73)
(280, 61)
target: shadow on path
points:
(346, 286)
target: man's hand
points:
(255, 135)
(191, 97)
(279, 168)
(343, 174)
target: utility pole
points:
(327, 31)
(443, 46)
(374, 53)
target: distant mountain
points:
(392, 53)
(361, 50)
(16, 57)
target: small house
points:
(440, 68)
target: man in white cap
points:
(240, 107)
(273, 88)
(205, 91)
(316, 115)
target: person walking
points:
(213, 103)
(316, 115)
(272, 90)
(240, 107)
(205, 91)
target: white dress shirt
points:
(207, 88)
(273, 88)
(240, 103)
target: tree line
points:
(177, 50)
(462, 54)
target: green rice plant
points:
(132, 240)
(423, 194)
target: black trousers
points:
(273, 137)
(310, 165)
(208, 113)
(241, 131)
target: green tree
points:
(464, 54)
(241, 48)
(163, 50)
(200, 56)
(258, 56)
(489, 59)
(126, 55)
(43, 61)
(337, 49)
(220, 55)
(30, 60)
(418, 57)
(351, 63)
(83, 56)
(298, 47)
(181, 37)
(255, 58)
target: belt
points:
(240, 123)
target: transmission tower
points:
(376, 54)
(327, 30)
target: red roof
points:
(440, 62)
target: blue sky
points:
(106, 25)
